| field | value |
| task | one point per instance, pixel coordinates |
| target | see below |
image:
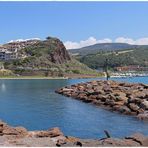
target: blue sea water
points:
(34, 105)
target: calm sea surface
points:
(34, 105)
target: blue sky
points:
(74, 21)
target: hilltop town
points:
(9, 51)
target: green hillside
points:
(46, 58)
(116, 58)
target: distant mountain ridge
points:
(104, 47)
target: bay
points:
(34, 105)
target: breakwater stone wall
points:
(20, 137)
(123, 97)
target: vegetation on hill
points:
(116, 58)
(47, 58)
(101, 47)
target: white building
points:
(8, 55)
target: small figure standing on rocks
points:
(106, 70)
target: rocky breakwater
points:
(19, 136)
(126, 98)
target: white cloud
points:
(141, 41)
(21, 40)
(93, 40)
(83, 43)
(124, 40)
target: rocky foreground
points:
(126, 98)
(19, 136)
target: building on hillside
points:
(20, 44)
(2, 55)
(10, 50)
(8, 55)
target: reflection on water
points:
(33, 104)
(3, 87)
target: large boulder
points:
(54, 132)
(18, 131)
(145, 142)
(2, 125)
(133, 107)
(139, 94)
(12, 131)
(118, 142)
(139, 138)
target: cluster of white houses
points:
(10, 50)
(8, 55)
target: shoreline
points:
(60, 78)
(45, 78)
(49, 78)
(31, 78)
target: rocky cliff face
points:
(52, 48)
(59, 55)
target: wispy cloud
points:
(87, 42)
(93, 40)
(21, 40)
(141, 41)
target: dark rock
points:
(78, 143)
(60, 142)
(144, 105)
(87, 100)
(137, 101)
(140, 111)
(145, 86)
(124, 109)
(103, 98)
(109, 102)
